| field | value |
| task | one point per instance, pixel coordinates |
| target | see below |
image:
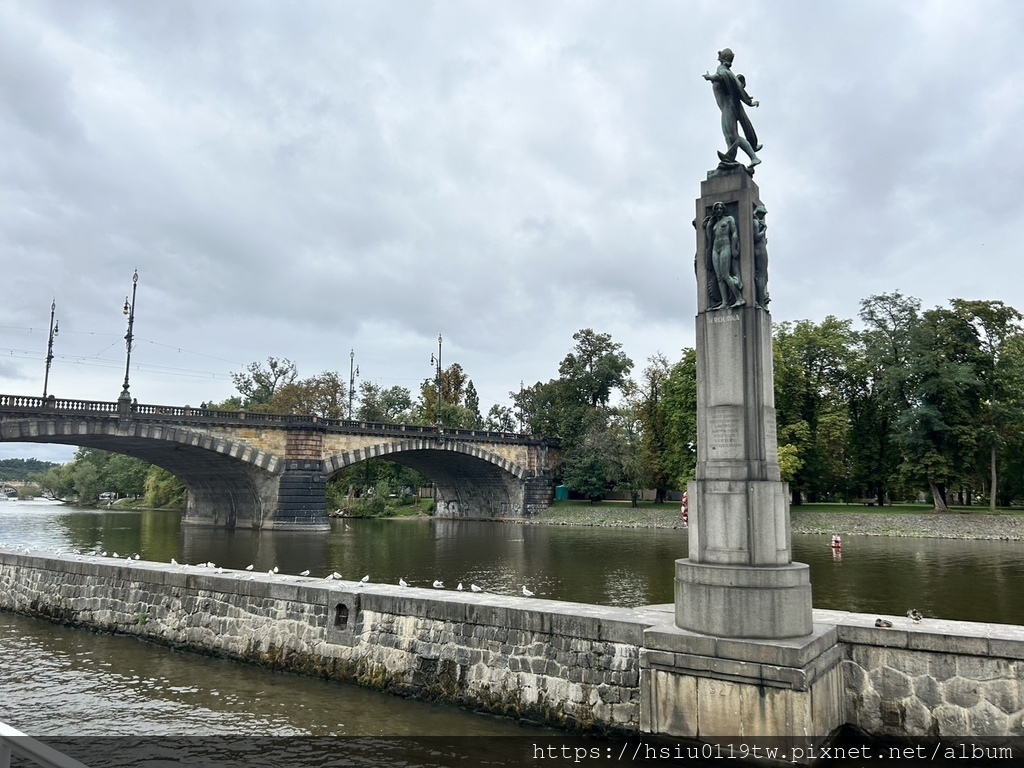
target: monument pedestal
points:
(695, 686)
(739, 580)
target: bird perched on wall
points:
(475, 588)
(459, 588)
(305, 573)
(248, 567)
(402, 582)
(915, 615)
(883, 623)
(336, 575)
(438, 584)
(365, 579)
(526, 592)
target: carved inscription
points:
(725, 436)
(725, 319)
(719, 688)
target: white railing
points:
(14, 742)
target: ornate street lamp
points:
(352, 373)
(54, 329)
(129, 310)
(436, 361)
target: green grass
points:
(898, 509)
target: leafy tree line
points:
(919, 401)
(93, 472)
(20, 470)
(916, 401)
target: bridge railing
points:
(33, 405)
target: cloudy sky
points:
(300, 179)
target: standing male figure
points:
(731, 94)
(723, 242)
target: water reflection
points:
(969, 580)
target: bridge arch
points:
(227, 480)
(471, 481)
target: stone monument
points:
(739, 580)
(742, 655)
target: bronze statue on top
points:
(731, 94)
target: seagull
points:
(305, 573)
(365, 579)
(438, 584)
(402, 583)
(526, 592)
(274, 569)
(220, 570)
(270, 572)
(136, 557)
(915, 615)
(329, 577)
(335, 575)
(475, 588)
(248, 567)
(115, 554)
(459, 587)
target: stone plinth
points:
(739, 580)
(701, 687)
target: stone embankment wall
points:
(565, 664)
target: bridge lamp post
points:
(129, 310)
(436, 361)
(352, 373)
(54, 329)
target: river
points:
(59, 682)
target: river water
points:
(58, 682)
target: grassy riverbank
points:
(844, 519)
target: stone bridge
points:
(270, 471)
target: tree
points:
(377, 404)
(472, 404)
(258, 383)
(650, 407)
(882, 386)
(595, 367)
(500, 419)
(1001, 377)
(811, 365)
(938, 427)
(680, 407)
(325, 395)
(455, 386)
(164, 490)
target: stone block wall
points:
(934, 679)
(565, 664)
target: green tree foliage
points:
(576, 408)
(680, 407)
(22, 469)
(259, 383)
(383, 405)
(325, 395)
(811, 373)
(460, 404)
(501, 418)
(1000, 370)
(163, 490)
